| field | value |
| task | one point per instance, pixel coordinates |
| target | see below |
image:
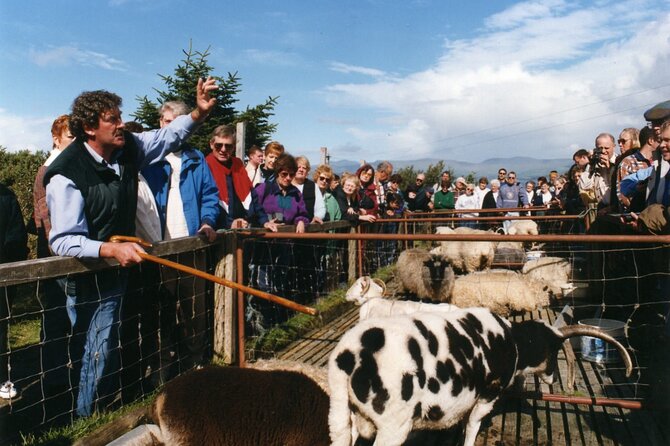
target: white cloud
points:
(348, 69)
(21, 132)
(524, 11)
(542, 78)
(72, 55)
(269, 57)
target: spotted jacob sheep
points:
(395, 374)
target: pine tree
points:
(181, 87)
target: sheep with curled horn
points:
(391, 375)
(364, 288)
(368, 293)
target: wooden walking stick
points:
(221, 281)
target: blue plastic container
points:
(597, 350)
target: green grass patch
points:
(25, 332)
(278, 337)
(66, 435)
(330, 307)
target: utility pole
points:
(240, 141)
(325, 158)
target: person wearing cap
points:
(459, 187)
(657, 115)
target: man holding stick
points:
(92, 195)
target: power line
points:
(536, 118)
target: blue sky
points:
(367, 79)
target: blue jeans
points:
(54, 336)
(93, 304)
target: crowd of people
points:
(105, 177)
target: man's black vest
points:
(110, 202)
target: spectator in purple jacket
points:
(281, 200)
(273, 262)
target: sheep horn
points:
(381, 283)
(580, 330)
(365, 283)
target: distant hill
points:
(525, 167)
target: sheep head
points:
(365, 288)
(440, 272)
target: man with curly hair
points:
(91, 195)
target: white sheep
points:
(394, 374)
(501, 291)
(466, 256)
(522, 227)
(379, 307)
(555, 272)
(368, 294)
(427, 275)
(364, 288)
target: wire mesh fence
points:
(166, 319)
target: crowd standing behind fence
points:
(267, 193)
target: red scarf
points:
(241, 182)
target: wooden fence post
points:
(352, 249)
(225, 322)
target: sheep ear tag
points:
(381, 283)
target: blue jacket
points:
(199, 193)
(511, 196)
